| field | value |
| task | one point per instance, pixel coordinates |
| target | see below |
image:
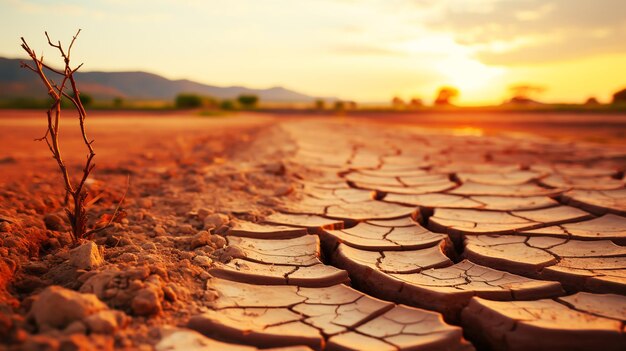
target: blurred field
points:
(587, 127)
(122, 135)
(119, 137)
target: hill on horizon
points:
(16, 82)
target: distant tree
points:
(118, 102)
(397, 103)
(445, 95)
(320, 104)
(620, 97)
(210, 102)
(339, 106)
(86, 99)
(227, 105)
(188, 101)
(248, 101)
(522, 93)
(592, 101)
(351, 105)
(416, 103)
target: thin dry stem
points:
(77, 214)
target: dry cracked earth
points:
(394, 238)
(405, 240)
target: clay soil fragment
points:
(337, 316)
(432, 281)
(286, 261)
(255, 230)
(371, 209)
(500, 178)
(310, 222)
(607, 227)
(582, 183)
(180, 339)
(598, 201)
(482, 202)
(579, 322)
(517, 190)
(579, 265)
(462, 221)
(371, 235)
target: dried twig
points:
(113, 216)
(74, 190)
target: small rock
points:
(203, 261)
(65, 238)
(106, 322)
(146, 302)
(57, 307)
(132, 248)
(218, 241)
(128, 257)
(62, 255)
(36, 267)
(169, 293)
(98, 283)
(203, 212)
(148, 246)
(87, 256)
(210, 296)
(215, 220)
(54, 222)
(76, 327)
(200, 239)
(159, 230)
(185, 229)
(230, 252)
(52, 244)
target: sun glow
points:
(467, 74)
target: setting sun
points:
(474, 79)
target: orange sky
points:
(367, 50)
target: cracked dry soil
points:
(300, 234)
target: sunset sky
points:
(365, 50)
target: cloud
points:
(519, 32)
(364, 50)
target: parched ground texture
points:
(324, 234)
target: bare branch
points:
(115, 213)
(76, 191)
(27, 66)
(77, 68)
(69, 49)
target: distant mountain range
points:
(18, 82)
